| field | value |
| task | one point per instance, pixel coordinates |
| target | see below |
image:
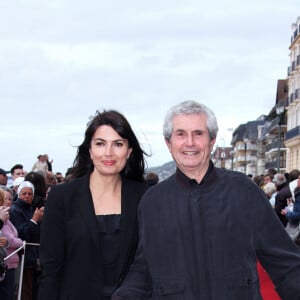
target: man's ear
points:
(168, 144)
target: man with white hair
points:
(203, 229)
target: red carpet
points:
(266, 286)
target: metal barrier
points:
(21, 263)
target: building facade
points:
(245, 147)
(292, 141)
(222, 157)
(271, 135)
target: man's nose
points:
(190, 139)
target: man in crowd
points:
(3, 177)
(17, 171)
(203, 229)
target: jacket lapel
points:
(87, 211)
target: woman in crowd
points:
(4, 216)
(27, 220)
(89, 232)
(40, 188)
(7, 286)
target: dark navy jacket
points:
(20, 215)
(202, 241)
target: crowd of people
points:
(283, 192)
(103, 189)
(21, 211)
(107, 230)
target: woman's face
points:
(7, 198)
(109, 151)
(26, 195)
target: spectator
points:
(268, 178)
(50, 178)
(271, 191)
(151, 178)
(49, 162)
(284, 192)
(59, 177)
(40, 164)
(7, 286)
(3, 177)
(17, 171)
(40, 188)
(15, 187)
(27, 222)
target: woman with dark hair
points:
(40, 188)
(89, 231)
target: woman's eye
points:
(119, 144)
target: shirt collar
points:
(190, 181)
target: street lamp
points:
(279, 112)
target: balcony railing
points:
(268, 127)
(274, 164)
(275, 145)
(294, 132)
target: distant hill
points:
(164, 171)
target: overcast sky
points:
(61, 60)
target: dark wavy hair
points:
(39, 182)
(135, 165)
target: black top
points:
(109, 227)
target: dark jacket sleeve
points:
(52, 247)
(27, 230)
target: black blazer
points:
(70, 243)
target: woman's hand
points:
(4, 213)
(38, 214)
(3, 242)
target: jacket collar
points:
(208, 180)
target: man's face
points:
(190, 144)
(17, 173)
(3, 179)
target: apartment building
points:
(292, 141)
(222, 157)
(271, 135)
(244, 143)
